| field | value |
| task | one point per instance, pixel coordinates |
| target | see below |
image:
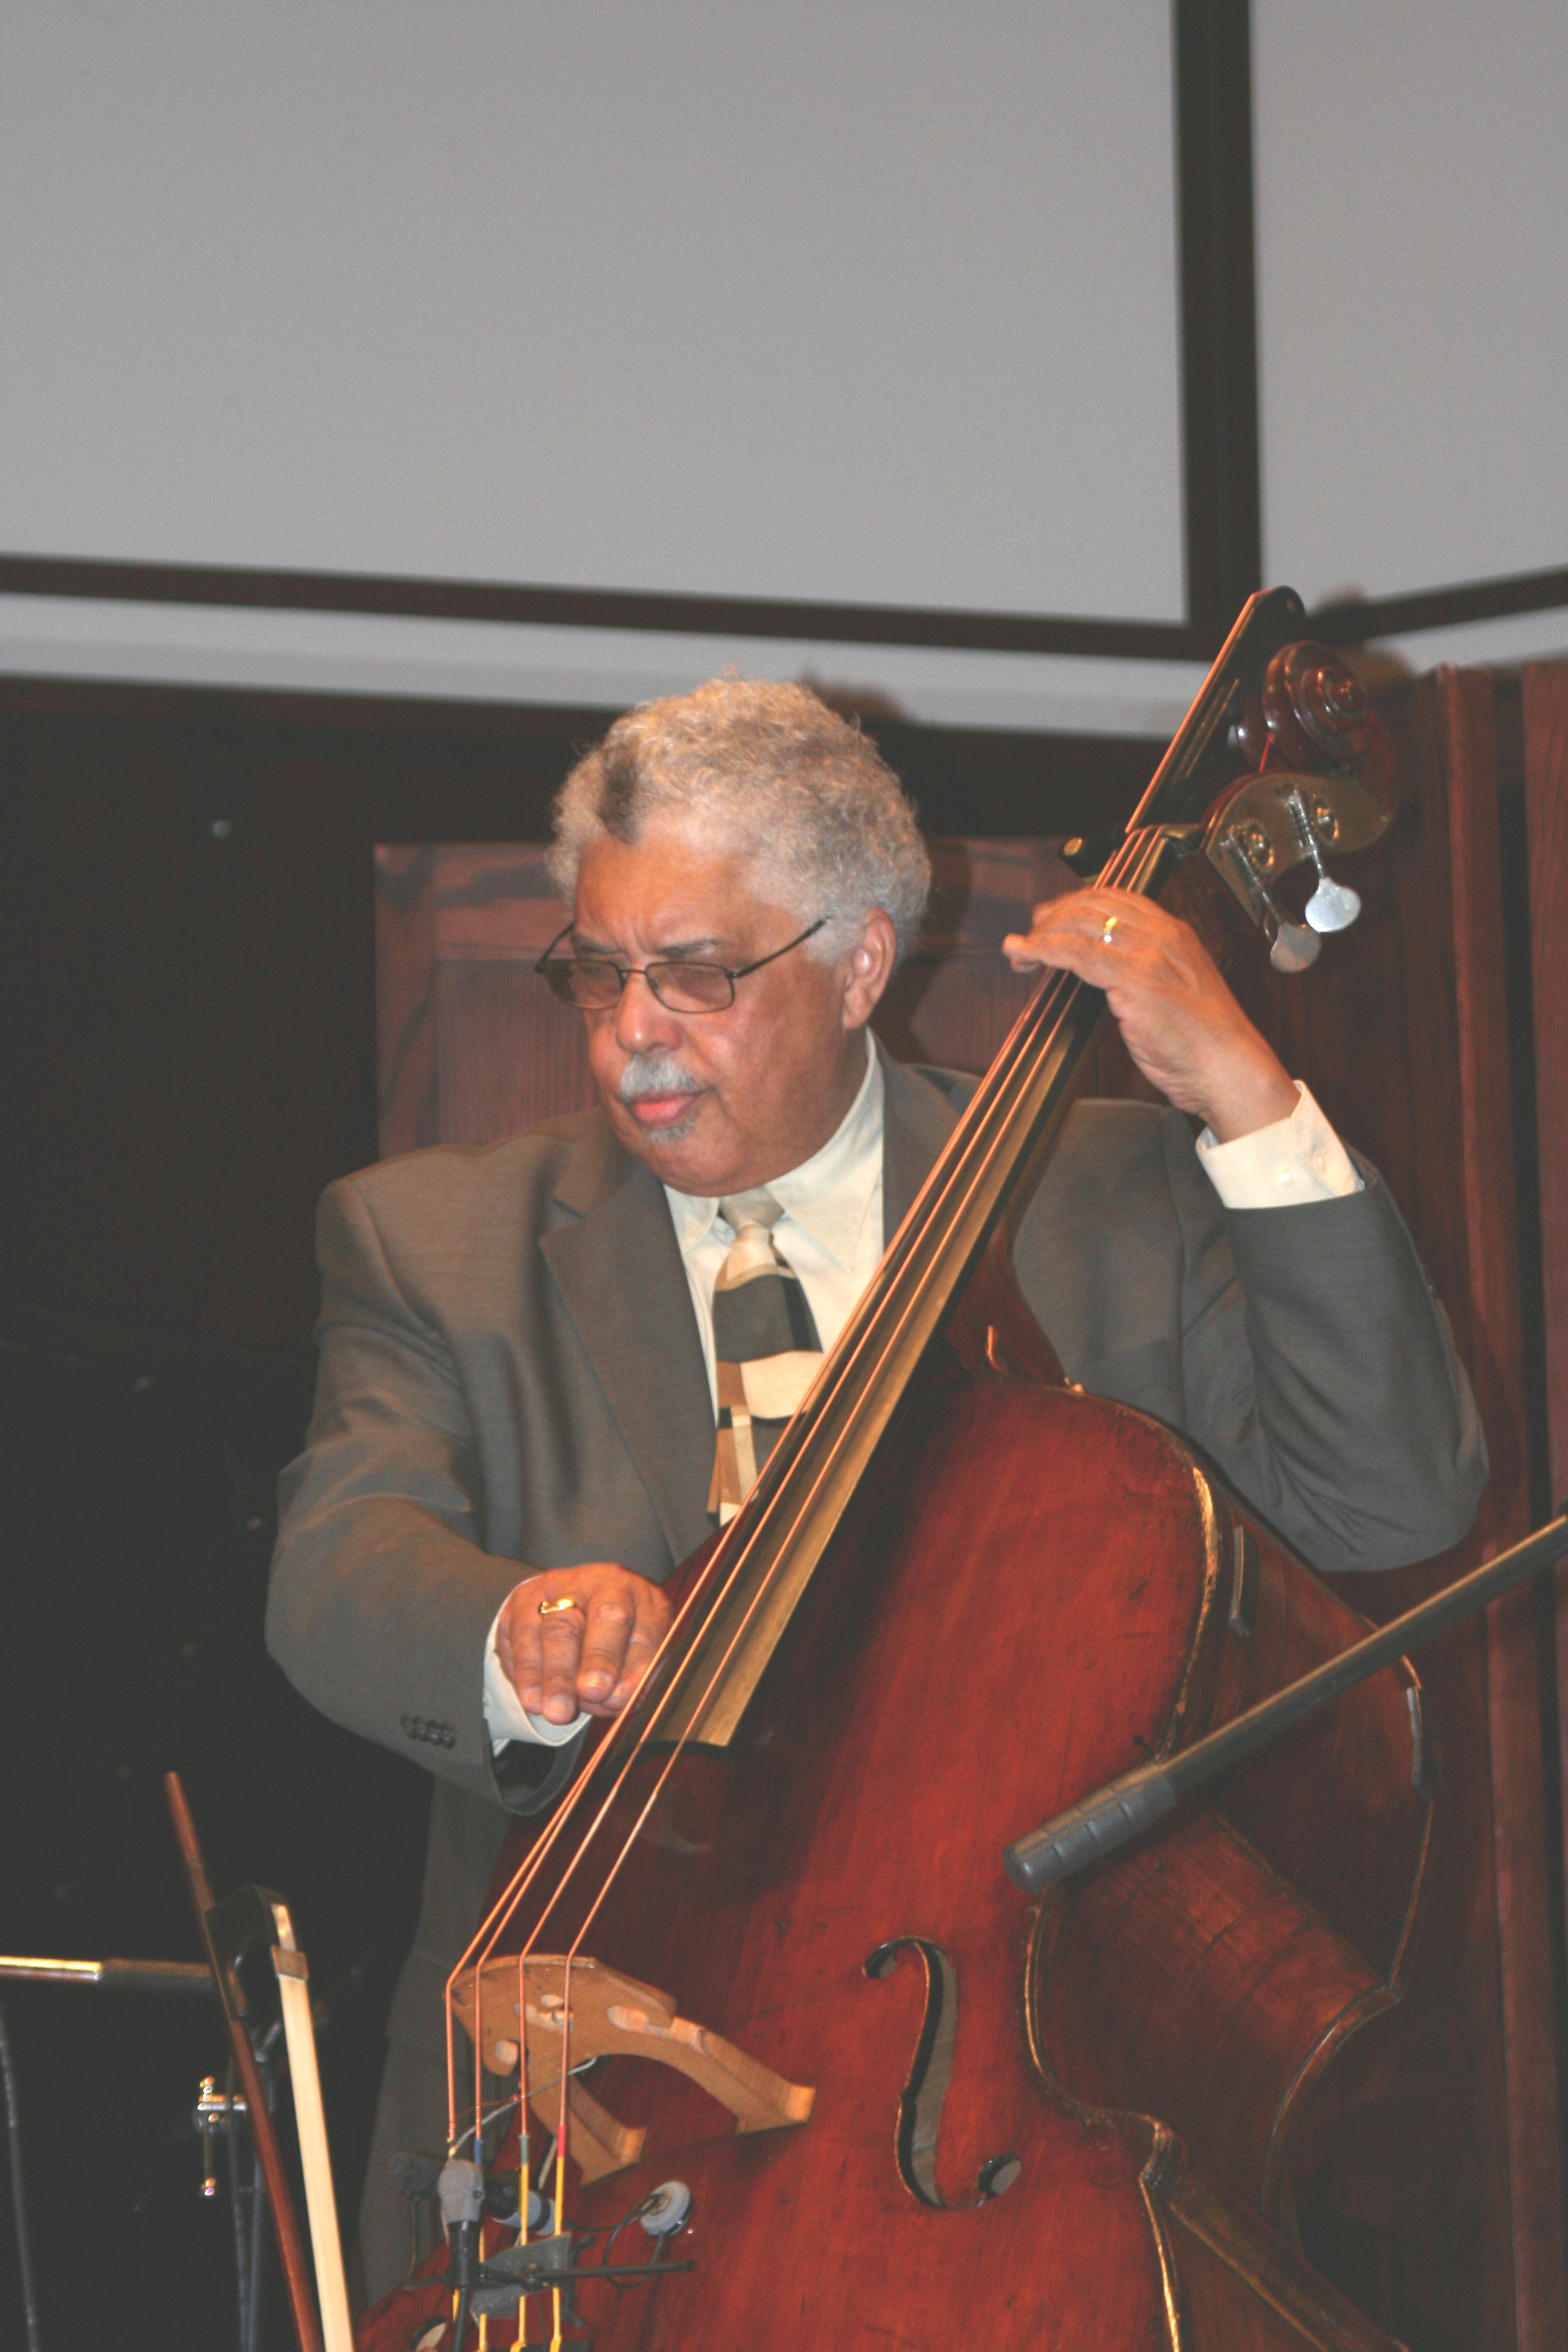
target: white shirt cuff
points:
(1297, 1158)
(506, 1717)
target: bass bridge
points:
(610, 2016)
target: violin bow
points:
(290, 2248)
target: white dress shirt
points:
(831, 1234)
(1296, 1159)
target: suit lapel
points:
(618, 1269)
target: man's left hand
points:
(1181, 1025)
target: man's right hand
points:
(590, 1657)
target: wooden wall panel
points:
(1402, 1029)
(470, 1043)
(955, 998)
(1517, 1765)
(1546, 688)
(1545, 732)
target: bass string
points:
(1120, 865)
(493, 1926)
(745, 1531)
(879, 1314)
(715, 1680)
(524, 2144)
(562, 2121)
(991, 1109)
(482, 1945)
(1047, 1005)
(844, 1362)
(881, 1319)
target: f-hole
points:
(930, 2071)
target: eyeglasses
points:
(595, 983)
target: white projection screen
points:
(1412, 221)
(873, 304)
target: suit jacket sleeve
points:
(1314, 1365)
(382, 1594)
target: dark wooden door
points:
(1448, 2187)
(1544, 764)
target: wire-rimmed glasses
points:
(680, 984)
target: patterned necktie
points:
(765, 1347)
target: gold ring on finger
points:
(1106, 937)
(559, 1608)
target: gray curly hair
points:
(795, 789)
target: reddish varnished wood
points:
(1545, 695)
(1188, 1983)
(1319, 717)
(1238, 2281)
(1486, 1134)
(1545, 709)
(1197, 1928)
(991, 1328)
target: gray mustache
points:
(655, 1074)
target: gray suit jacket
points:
(511, 1372)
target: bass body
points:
(1063, 2125)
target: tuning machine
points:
(1292, 947)
(1334, 906)
(1269, 824)
(1244, 855)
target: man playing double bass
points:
(550, 1366)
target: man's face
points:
(717, 1102)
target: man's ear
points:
(868, 968)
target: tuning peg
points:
(1334, 906)
(1291, 946)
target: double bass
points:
(760, 2046)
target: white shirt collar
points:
(828, 1194)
